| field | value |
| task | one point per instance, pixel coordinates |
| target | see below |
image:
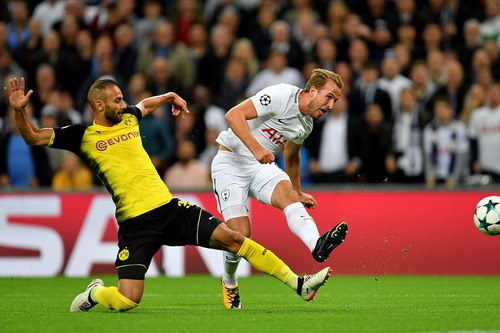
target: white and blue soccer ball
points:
(487, 215)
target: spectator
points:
(484, 132)
(231, 19)
(72, 175)
(25, 53)
(197, 44)
(166, 46)
(22, 165)
(408, 162)
(436, 65)
(376, 151)
(407, 35)
(17, 28)
(454, 89)
(452, 18)
(475, 98)
(233, 88)
(243, 49)
(407, 15)
(106, 69)
(184, 14)
(188, 173)
(60, 105)
(335, 147)
(206, 116)
(304, 32)
(52, 54)
(156, 139)
(8, 67)
(261, 35)
(213, 63)
(402, 54)
(490, 26)
(358, 55)
(68, 31)
(145, 27)
(325, 54)
(367, 92)
(276, 71)
(83, 62)
(472, 42)
(137, 86)
(125, 51)
(423, 87)
(45, 84)
(336, 17)
(432, 37)
(446, 147)
(393, 82)
(49, 12)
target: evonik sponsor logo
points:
(102, 145)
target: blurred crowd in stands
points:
(421, 101)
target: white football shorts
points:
(236, 177)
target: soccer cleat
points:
(231, 297)
(309, 284)
(83, 302)
(329, 241)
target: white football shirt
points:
(279, 120)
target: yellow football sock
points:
(111, 298)
(267, 262)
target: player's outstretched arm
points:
(18, 101)
(150, 104)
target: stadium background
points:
(394, 230)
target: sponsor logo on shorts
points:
(123, 255)
(225, 195)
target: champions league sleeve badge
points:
(265, 100)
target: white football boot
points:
(83, 302)
(309, 284)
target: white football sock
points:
(231, 262)
(302, 224)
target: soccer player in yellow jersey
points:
(148, 215)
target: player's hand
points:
(179, 105)
(307, 200)
(264, 156)
(15, 92)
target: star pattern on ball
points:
(490, 206)
(482, 223)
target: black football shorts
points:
(176, 223)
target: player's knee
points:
(234, 241)
(122, 307)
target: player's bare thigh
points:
(284, 195)
(240, 224)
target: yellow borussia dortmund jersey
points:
(117, 157)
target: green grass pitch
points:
(193, 304)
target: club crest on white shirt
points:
(265, 100)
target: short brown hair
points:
(97, 89)
(319, 77)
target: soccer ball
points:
(487, 215)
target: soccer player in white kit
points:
(277, 116)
